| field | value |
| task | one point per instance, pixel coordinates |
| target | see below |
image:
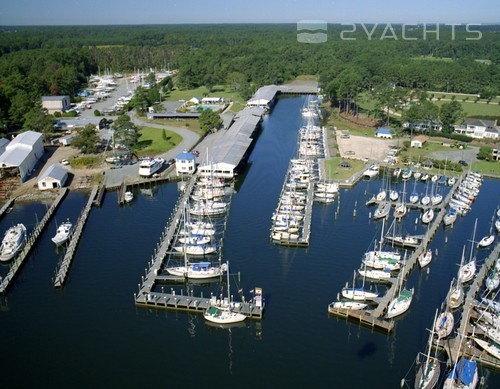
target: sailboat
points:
(455, 296)
(358, 294)
(444, 324)
(428, 374)
(382, 210)
(378, 259)
(425, 258)
(468, 270)
(488, 239)
(223, 314)
(426, 199)
(450, 217)
(400, 303)
(427, 216)
(464, 374)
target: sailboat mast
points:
(228, 293)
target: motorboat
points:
(128, 197)
(199, 270)
(63, 233)
(486, 241)
(150, 166)
(13, 241)
(372, 171)
(393, 195)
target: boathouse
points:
(185, 163)
(54, 177)
(22, 154)
(233, 147)
(264, 97)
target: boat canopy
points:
(201, 266)
(466, 370)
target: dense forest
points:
(36, 61)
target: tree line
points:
(36, 61)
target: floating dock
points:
(65, 264)
(375, 317)
(469, 349)
(6, 206)
(18, 262)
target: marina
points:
(297, 285)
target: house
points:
(185, 163)
(54, 177)
(22, 154)
(478, 128)
(419, 141)
(56, 104)
(385, 133)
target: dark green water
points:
(90, 334)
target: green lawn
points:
(334, 172)
(151, 141)
(219, 91)
(190, 124)
(487, 167)
(86, 162)
(476, 109)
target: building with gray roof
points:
(22, 154)
(55, 176)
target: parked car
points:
(463, 163)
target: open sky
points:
(72, 12)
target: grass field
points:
(334, 172)
(190, 124)
(151, 141)
(477, 109)
(218, 91)
(487, 167)
(86, 161)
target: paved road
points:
(114, 177)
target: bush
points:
(459, 137)
(57, 114)
(97, 112)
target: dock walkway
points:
(6, 206)
(65, 264)
(30, 241)
(452, 346)
(375, 317)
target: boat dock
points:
(6, 206)
(452, 346)
(65, 264)
(194, 304)
(31, 239)
(374, 317)
(100, 195)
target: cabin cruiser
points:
(150, 166)
(63, 233)
(13, 242)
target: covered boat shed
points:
(54, 177)
(22, 154)
(232, 148)
(264, 97)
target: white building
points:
(478, 128)
(22, 154)
(211, 100)
(419, 141)
(185, 163)
(385, 133)
(264, 97)
(54, 177)
(56, 104)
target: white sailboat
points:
(444, 324)
(224, 314)
(468, 270)
(358, 294)
(401, 302)
(425, 258)
(455, 296)
(427, 216)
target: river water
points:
(90, 334)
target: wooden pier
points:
(193, 304)
(6, 206)
(65, 264)
(161, 251)
(121, 193)
(100, 195)
(375, 316)
(18, 262)
(469, 349)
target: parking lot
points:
(363, 148)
